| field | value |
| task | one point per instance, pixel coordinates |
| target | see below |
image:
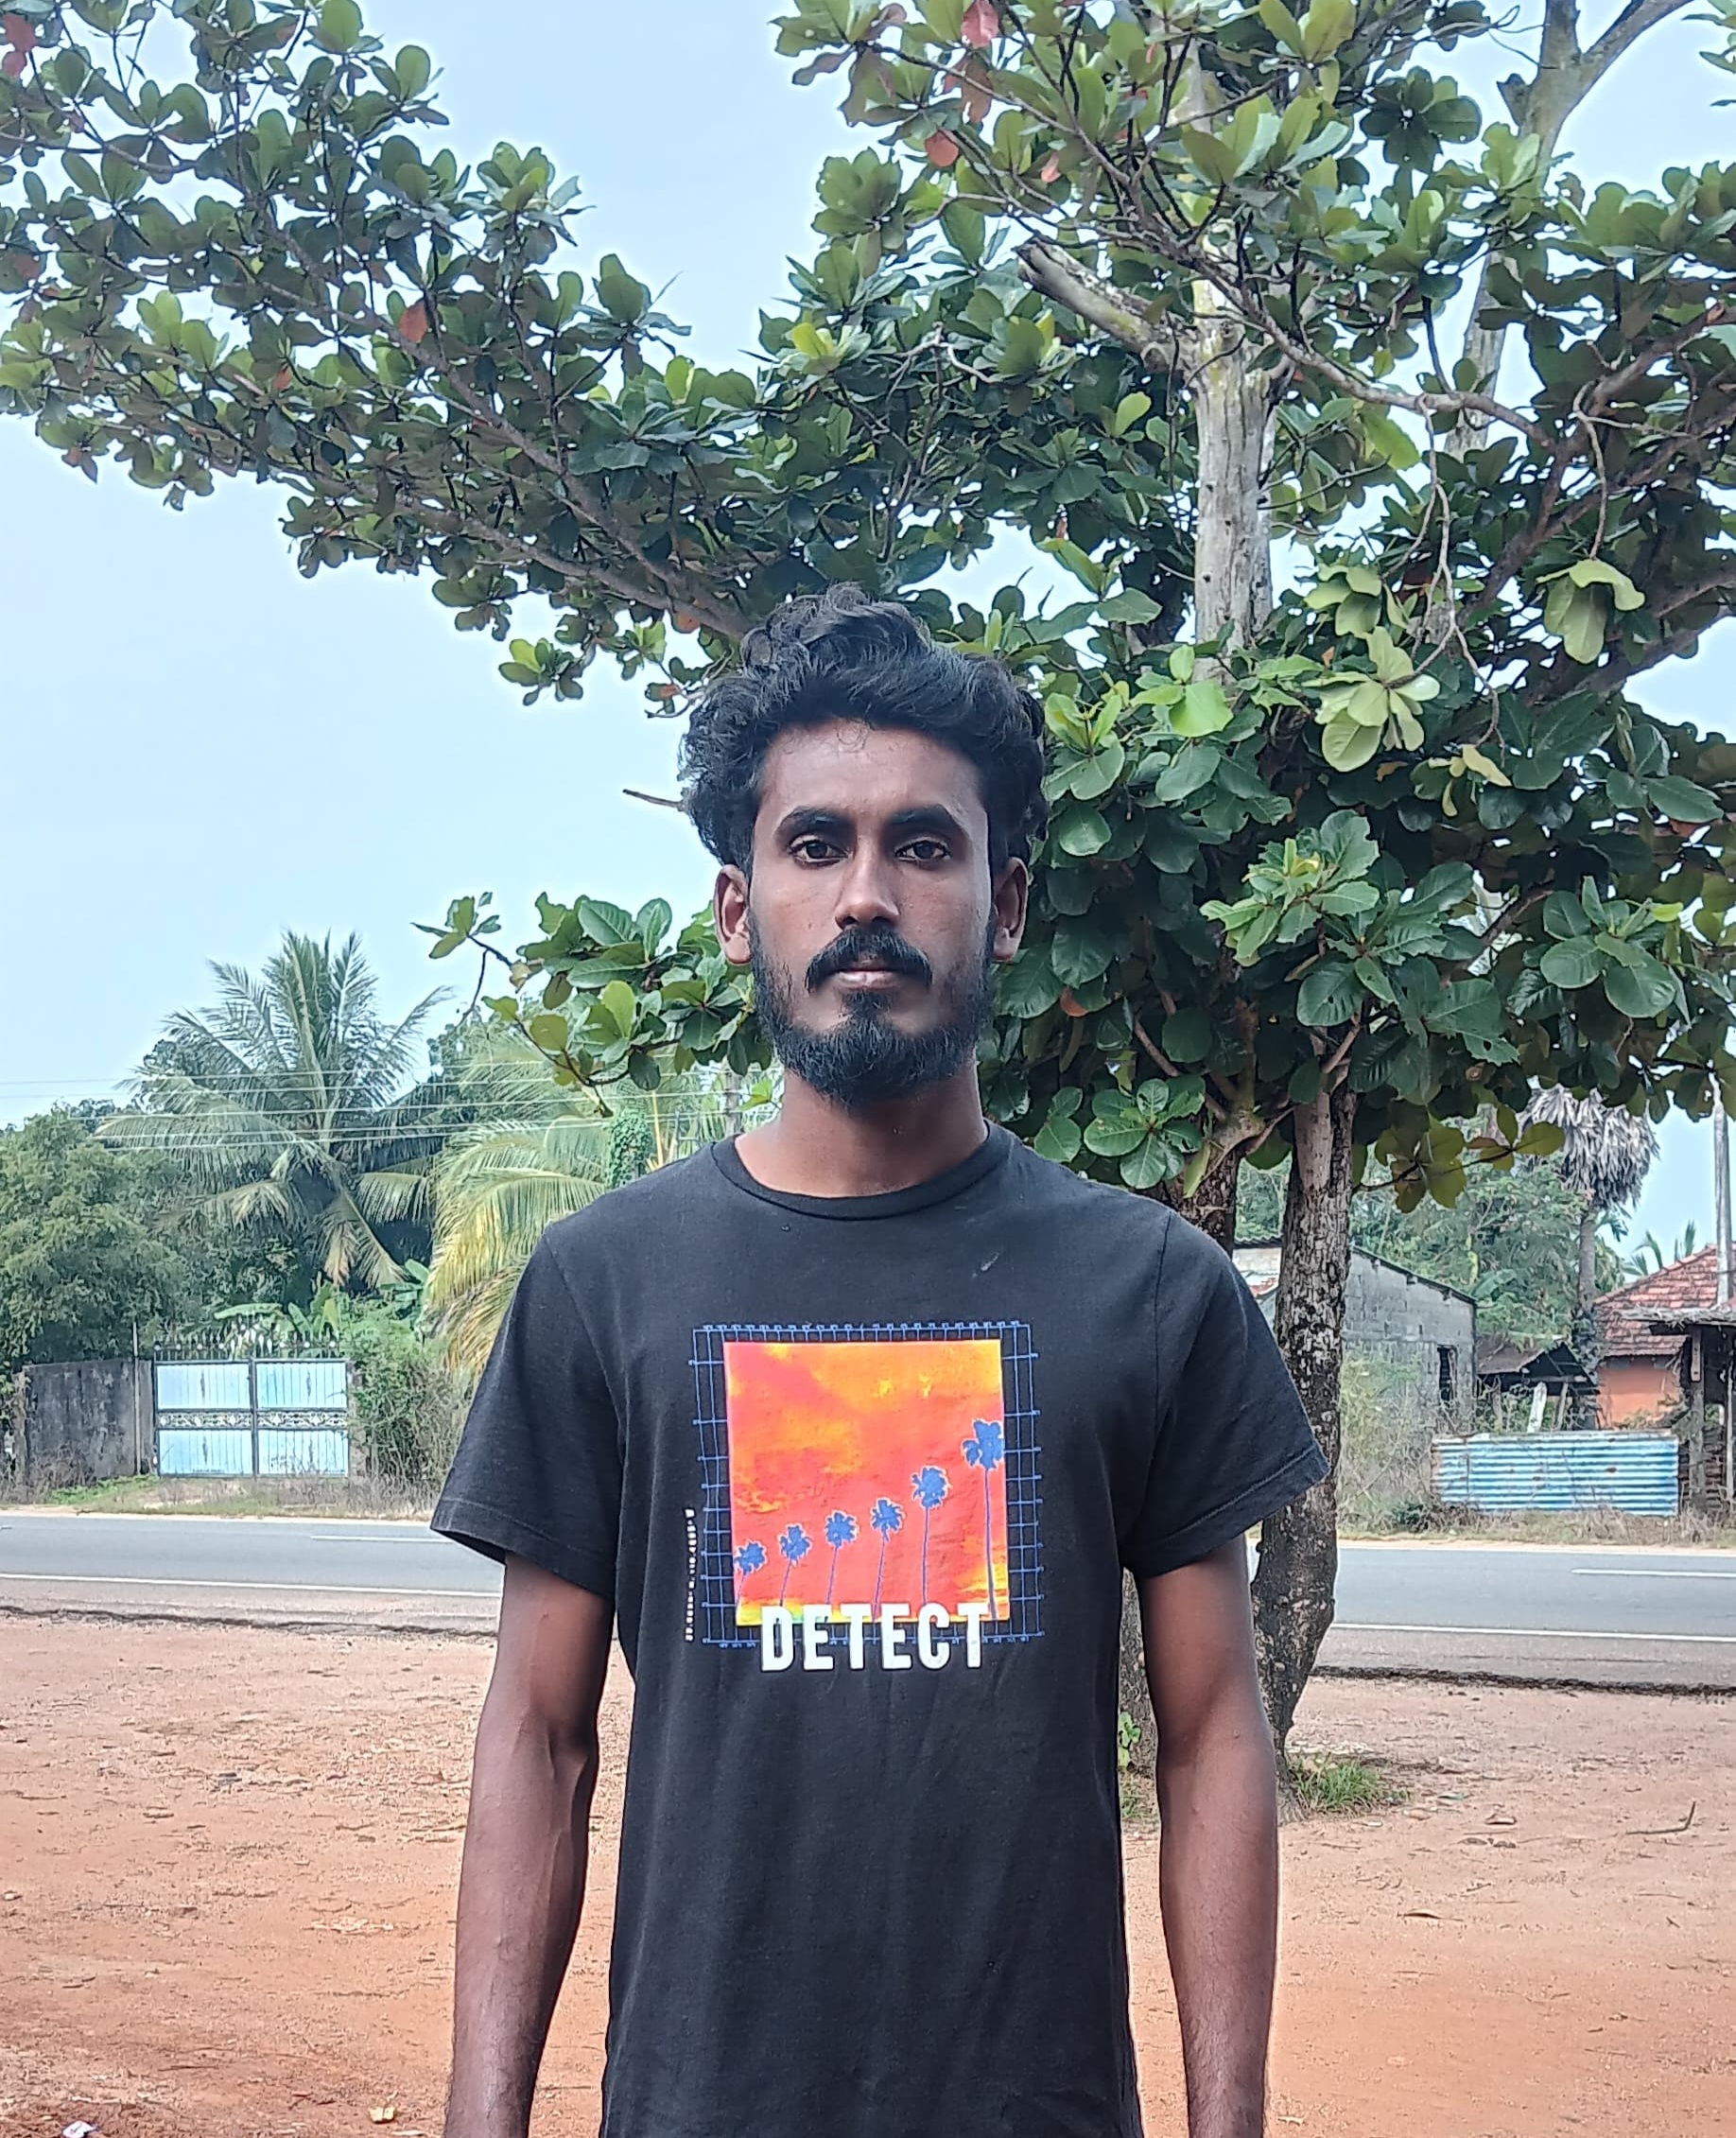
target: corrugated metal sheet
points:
(202, 1384)
(303, 1384)
(1636, 1473)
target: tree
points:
(839, 1531)
(795, 1544)
(83, 1270)
(887, 1519)
(534, 1154)
(1508, 1239)
(985, 1448)
(929, 1487)
(284, 1110)
(1604, 1156)
(1332, 873)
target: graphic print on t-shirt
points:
(869, 1492)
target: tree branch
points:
(1064, 281)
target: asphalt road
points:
(1594, 1615)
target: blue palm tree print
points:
(795, 1543)
(929, 1490)
(986, 1450)
(839, 1531)
(750, 1558)
(888, 1518)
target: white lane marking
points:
(1656, 1572)
(1549, 1633)
(265, 1588)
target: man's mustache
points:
(870, 946)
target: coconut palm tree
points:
(1606, 1154)
(795, 1544)
(287, 1107)
(839, 1531)
(928, 1489)
(750, 1558)
(534, 1154)
(986, 1450)
(887, 1518)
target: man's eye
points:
(812, 850)
(928, 849)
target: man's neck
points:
(817, 1148)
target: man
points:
(850, 1426)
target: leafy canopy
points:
(1405, 826)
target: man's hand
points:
(1216, 1790)
(525, 1846)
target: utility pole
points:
(1721, 1192)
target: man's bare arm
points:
(525, 1846)
(1218, 1794)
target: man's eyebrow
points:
(930, 817)
(807, 822)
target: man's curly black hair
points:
(839, 655)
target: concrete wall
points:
(84, 1421)
(1392, 1315)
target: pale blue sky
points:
(203, 748)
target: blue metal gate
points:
(252, 1418)
(1636, 1473)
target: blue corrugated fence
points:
(1635, 1473)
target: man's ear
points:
(729, 914)
(1012, 896)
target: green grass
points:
(324, 1498)
(1337, 1781)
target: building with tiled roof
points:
(1636, 1377)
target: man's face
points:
(870, 917)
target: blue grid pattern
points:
(1023, 1619)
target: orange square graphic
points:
(866, 1474)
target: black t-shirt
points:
(861, 1476)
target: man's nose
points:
(866, 896)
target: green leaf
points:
(1028, 987)
(1186, 1036)
(1059, 1138)
(414, 70)
(622, 296)
(1083, 833)
(1681, 799)
(1204, 709)
(1081, 952)
(341, 26)
(1099, 772)
(548, 1032)
(1325, 26)
(1130, 606)
(1574, 963)
(620, 1004)
(1346, 744)
(1145, 1165)
(1330, 994)
(1191, 768)
(1639, 986)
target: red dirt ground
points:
(227, 1863)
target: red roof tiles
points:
(1682, 1288)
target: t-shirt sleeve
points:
(538, 1469)
(1233, 1443)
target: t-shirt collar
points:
(989, 1155)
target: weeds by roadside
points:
(1339, 1781)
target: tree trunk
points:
(1232, 538)
(1298, 1546)
(1212, 1205)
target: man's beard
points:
(866, 1060)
